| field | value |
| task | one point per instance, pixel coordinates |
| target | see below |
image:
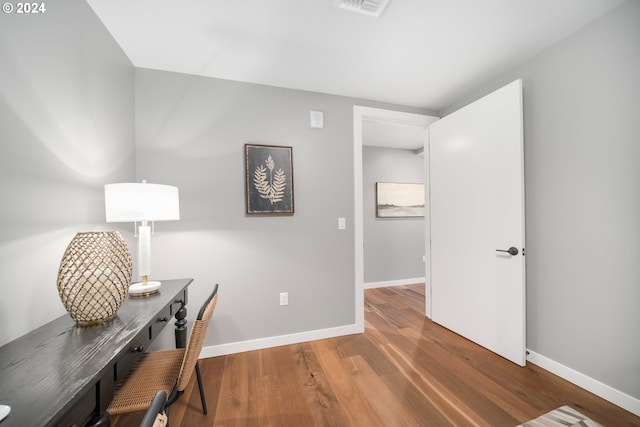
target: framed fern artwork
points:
(268, 179)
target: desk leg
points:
(181, 327)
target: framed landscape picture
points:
(268, 179)
(399, 200)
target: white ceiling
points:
(422, 53)
(392, 135)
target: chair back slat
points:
(196, 340)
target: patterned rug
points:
(562, 417)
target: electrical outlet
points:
(284, 298)
(424, 258)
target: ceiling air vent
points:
(366, 7)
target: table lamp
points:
(144, 203)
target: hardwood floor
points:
(403, 371)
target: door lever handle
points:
(511, 250)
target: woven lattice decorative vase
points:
(94, 276)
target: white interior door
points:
(477, 208)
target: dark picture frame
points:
(268, 179)
(399, 200)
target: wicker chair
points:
(155, 416)
(168, 370)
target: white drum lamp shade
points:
(139, 201)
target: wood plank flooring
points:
(403, 371)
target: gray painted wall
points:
(66, 129)
(190, 132)
(582, 147)
(393, 247)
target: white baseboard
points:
(258, 344)
(400, 282)
(606, 392)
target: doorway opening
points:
(360, 116)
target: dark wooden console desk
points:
(62, 374)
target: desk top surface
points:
(48, 369)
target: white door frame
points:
(368, 113)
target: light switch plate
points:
(342, 223)
(284, 298)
